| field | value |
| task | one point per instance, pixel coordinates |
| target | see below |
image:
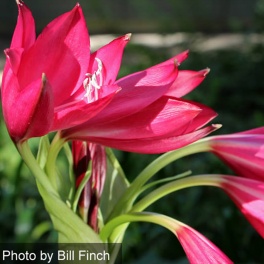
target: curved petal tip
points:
(128, 36)
(19, 2)
(205, 72)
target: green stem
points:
(70, 227)
(136, 217)
(55, 147)
(113, 160)
(31, 162)
(114, 228)
(131, 193)
(201, 180)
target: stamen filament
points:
(93, 82)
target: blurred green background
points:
(225, 36)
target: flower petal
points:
(206, 115)
(13, 58)
(24, 34)
(148, 145)
(41, 119)
(62, 52)
(178, 59)
(78, 112)
(248, 195)
(164, 117)
(186, 81)
(198, 248)
(35, 120)
(243, 152)
(138, 91)
(111, 56)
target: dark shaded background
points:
(225, 36)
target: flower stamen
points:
(93, 82)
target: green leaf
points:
(70, 226)
(40, 230)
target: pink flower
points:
(141, 120)
(83, 153)
(243, 152)
(248, 195)
(198, 248)
(43, 81)
(59, 85)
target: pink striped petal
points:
(198, 248)
(206, 115)
(248, 195)
(138, 91)
(111, 56)
(243, 152)
(186, 81)
(160, 119)
(148, 145)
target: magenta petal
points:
(24, 34)
(178, 59)
(151, 145)
(36, 119)
(254, 131)
(199, 249)
(10, 85)
(160, 119)
(111, 56)
(13, 56)
(41, 120)
(254, 212)
(62, 52)
(78, 112)
(186, 81)
(138, 91)
(248, 195)
(206, 115)
(243, 152)
(182, 56)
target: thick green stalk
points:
(50, 167)
(115, 227)
(131, 193)
(121, 220)
(201, 180)
(70, 227)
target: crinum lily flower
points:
(60, 86)
(243, 151)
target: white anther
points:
(93, 82)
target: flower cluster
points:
(61, 86)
